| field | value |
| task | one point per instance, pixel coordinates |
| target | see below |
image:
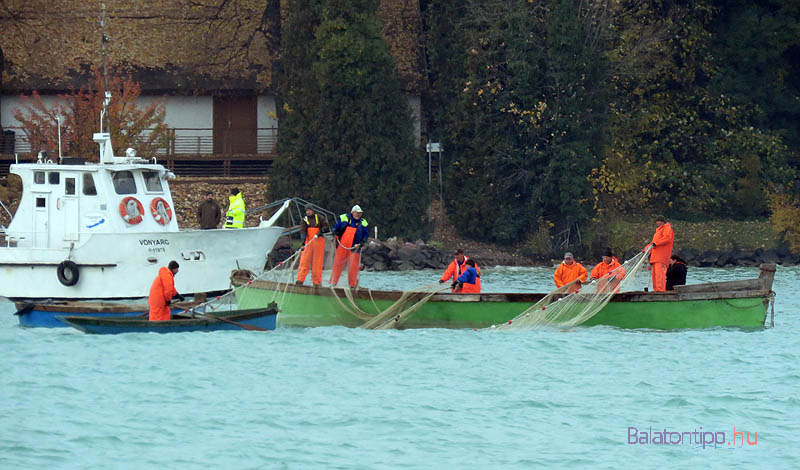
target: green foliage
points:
(677, 145)
(346, 127)
(785, 213)
(758, 46)
(539, 243)
(527, 120)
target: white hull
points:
(123, 265)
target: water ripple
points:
(352, 399)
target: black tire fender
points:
(68, 273)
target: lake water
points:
(417, 399)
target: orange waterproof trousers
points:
(312, 256)
(659, 271)
(345, 256)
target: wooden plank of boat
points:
(260, 317)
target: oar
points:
(25, 309)
(240, 325)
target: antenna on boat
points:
(58, 119)
(103, 41)
(104, 138)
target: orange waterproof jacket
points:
(663, 239)
(601, 268)
(567, 273)
(454, 270)
(161, 292)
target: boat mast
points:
(104, 58)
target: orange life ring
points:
(131, 210)
(164, 218)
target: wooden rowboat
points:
(263, 318)
(713, 304)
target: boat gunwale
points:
(79, 306)
(202, 319)
(635, 296)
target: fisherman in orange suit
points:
(162, 291)
(569, 270)
(351, 234)
(312, 227)
(662, 250)
(457, 267)
(608, 271)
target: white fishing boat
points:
(102, 230)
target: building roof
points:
(173, 46)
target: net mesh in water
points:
(562, 308)
(393, 316)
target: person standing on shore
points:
(162, 291)
(662, 250)
(676, 272)
(209, 212)
(234, 218)
(568, 271)
(311, 229)
(351, 234)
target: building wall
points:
(10, 103)
(192, 112)
(192, 117)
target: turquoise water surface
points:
(438, 399)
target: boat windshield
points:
(124, 183)
(152, 182)
(89, 188)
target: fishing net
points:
(346, 298)
(563, 307)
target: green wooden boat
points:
(742, 303)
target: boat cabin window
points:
(53, 177)
(124, 183)
(69, 186)
(152, 182)
(38, 177)
(40, 202)
(89, 189)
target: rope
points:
(392, 316)
(578, 307)
(391, 319)
(229, 296)
(355, 311)
(772, 309)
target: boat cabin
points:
(63, 204)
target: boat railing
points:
(16, 240)
(10, 215)
(296, 212)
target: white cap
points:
(356, 208)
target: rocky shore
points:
(399, 255)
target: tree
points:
(129, 126)
(346, 127)
(758, 46)
(529, 118)
(676, 145)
